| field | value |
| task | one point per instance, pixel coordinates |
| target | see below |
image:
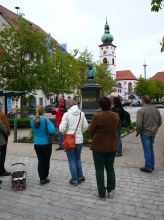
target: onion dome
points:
(107, 38)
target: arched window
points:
(105, 60)
(129, 87)
(32, 100)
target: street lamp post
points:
(145, 65)
(17, 9)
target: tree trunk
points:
(21, 107)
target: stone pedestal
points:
(90, 96)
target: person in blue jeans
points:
(118, 108)
(42, 145)
(68, 126)
(148, 121)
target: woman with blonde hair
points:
(43, 147)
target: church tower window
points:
(104, 60)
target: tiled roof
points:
(9, 16)
(159, 76)
(125, 75)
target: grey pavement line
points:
(83, 162)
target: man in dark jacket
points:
(147, 124)
(59, 110)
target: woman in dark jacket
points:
(118, 108)
(103, 131)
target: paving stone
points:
(138, 196)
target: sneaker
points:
(111, 194)
(73, 183)
(59, 148)
(81, 180)
(5, 173)
(143, 169)
(119, 155)
(43, 182)
(103, 199)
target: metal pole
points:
(145, 65)
(15, 128)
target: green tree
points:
(141, 87)
(151, 87)
(64, 72)
(26, 59)
(81, 67)
(104, 79)
(159, 90)
(28, 63)
(157, 5)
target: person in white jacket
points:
(68, 126)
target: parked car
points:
(31, 110)
(136, 103)
(126, 102)
(49, 108)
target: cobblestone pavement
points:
(137, 196)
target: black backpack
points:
(125, 122)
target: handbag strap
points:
(45, 121)
(78, 123)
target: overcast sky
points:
(80, 23)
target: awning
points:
(9, 93)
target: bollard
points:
(15, 129)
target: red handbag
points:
(69, 139)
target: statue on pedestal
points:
(91, 71)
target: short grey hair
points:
(70, 102)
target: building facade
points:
(125, 79)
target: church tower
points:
(107, 51)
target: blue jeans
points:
(60, 138)
(119, 140)
(75, 166)
(147, 144)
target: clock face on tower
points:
(104, 52)
(113, 52)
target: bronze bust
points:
(91, 71)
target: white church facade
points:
(125, 80)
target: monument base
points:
(89, 113)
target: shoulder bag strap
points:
(45, 120)
(78, 123)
